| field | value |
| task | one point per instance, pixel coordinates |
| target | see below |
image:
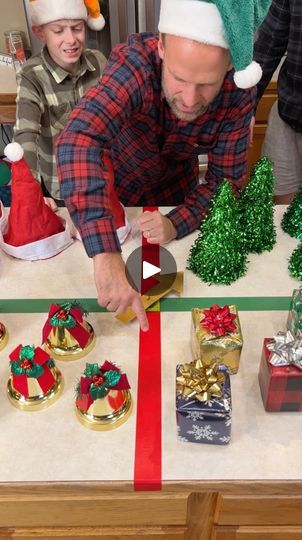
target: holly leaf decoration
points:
(91, 369)
(16, 368)
(66, 321)
(34, 371)
(112, 377)
(27, 353)
(97, 392)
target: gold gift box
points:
(225, 349)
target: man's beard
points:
(181, 115)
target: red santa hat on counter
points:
(33, 230)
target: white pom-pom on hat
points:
(248, 77)
(14, 151)
(96, 23)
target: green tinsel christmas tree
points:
(295, 263)
(292, 219)
(257, 209)
(217, 256)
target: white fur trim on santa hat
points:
(45, 11)
(123, 232)
(14, 151)
(248, 77)
(192, 19)
(41, 249)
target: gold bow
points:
(199, 381)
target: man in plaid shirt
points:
(162, 100)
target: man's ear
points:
(161, 47)
(230, 67)
(38, 32)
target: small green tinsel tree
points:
(217, 256)
(295, 263)
(257, 209)
(292, 219)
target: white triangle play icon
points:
(150, 270)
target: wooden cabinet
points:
(37, 511)
(204, 512)
(256, 517)
(263, 110)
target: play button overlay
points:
(150, 270)
(145, 276)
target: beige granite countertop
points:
(52, 445)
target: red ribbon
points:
(218, 320)
(20, 381)
(148, 443)
(78, 332)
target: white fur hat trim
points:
(41, 249)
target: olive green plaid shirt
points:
(46, 95)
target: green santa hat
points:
(226, 23)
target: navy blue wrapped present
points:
(203, 403)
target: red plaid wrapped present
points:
(280, 373)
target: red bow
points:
(84, 399)
(20, 381)
(78, 332)
(218, 320)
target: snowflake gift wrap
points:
(203, 403)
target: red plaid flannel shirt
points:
(154, 155)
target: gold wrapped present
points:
(216, 336)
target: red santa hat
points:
(33, 230)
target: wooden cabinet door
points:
(257, 533)
(259, 510)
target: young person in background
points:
(51, 83)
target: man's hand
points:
(51, 203)
(114, 291)
(158, 229)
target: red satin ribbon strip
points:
(148, 445)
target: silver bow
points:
(285, 350)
